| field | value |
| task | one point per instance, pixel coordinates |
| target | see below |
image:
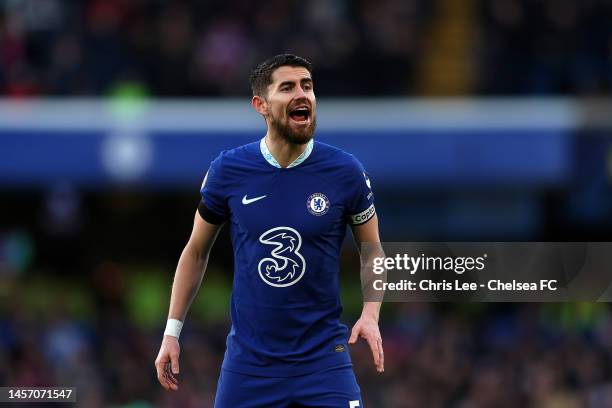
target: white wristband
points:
(173, 328)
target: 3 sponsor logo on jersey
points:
(285, 266)
(317, 204)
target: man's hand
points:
(167, 363)
(367, 328)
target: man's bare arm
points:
(191, 267)
(367, 325)
(187, 279)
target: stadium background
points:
(478, 120)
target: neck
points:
(284, 152)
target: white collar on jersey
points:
(270, 159)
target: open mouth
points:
(300, 114)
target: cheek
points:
(279, 111)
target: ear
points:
(260, 105)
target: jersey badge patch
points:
(317, 204)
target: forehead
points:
(287, 73)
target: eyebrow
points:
(303, 80)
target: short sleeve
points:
(213, 207)
(360, 206)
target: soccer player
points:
(287, 200)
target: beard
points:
(298, 137)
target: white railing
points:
(333, 114)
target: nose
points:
(300, 92)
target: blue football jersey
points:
(287, 227)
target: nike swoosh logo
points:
(247, 201)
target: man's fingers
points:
(354, 335)
(164, 373)
(160, 371)
(382, 356)
(374, 341)
(170, 378)
(167, 363)
(170, 375)
(161, 376)
(162, 380)
(174, 358)
(375, 353)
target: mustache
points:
(299, 102)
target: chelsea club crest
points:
(317, 204)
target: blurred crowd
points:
(436, 355)
(190, 48)
(546, 47)
(366, 47)
(528, 355)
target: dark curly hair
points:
(261, 76)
